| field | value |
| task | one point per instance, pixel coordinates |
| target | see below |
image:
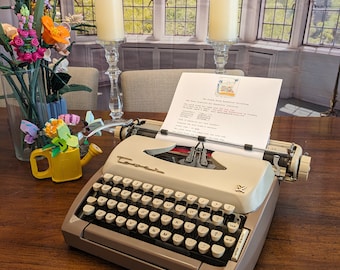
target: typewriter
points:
(158, 205)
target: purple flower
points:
(47, 4)
(29, 139)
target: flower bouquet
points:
(31, 81)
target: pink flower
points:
(35, 42)
(36, 56)
(19, 53)
(23, 33)
(32, 33)
(27, 57)
(17, 41)
(41, 51)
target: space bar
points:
(139, 249)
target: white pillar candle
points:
(223, 15)
(109, 20)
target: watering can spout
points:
(94, 150)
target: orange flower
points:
(54, 34)
(51, 127)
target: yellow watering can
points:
(66, 166)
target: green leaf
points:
(2, 32)
(38, 13)
(82, 27)
(74, 88)
(59, 80)
(5, 69)
(19, 4)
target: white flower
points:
(47, 55)
(74, 19)
(62, 66)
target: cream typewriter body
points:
(142, 212)
(173, 196)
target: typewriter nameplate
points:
(129, 161)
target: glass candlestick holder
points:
(221, 51)
(112, 57)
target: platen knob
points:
(304, 167)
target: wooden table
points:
(305, 232)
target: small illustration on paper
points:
(227, 87)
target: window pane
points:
(138, 16)
(269, 17)
(324, 24)
(277, 20)
(180, 17)
(55, 4)
(277, 32)
(85, 8)
(286, 32)
(268, 29)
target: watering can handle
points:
(34, 165)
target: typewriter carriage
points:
(288, 160)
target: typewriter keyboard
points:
(206, 230)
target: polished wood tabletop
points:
(305, 231)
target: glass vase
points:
(25, 100)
